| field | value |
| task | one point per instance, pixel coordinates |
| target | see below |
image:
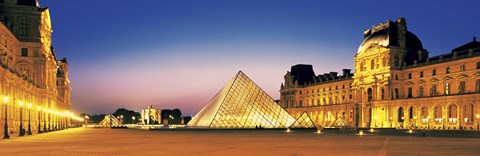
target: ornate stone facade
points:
(30, 72)
(395, 85)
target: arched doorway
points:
(452, 113)
(411, 114)
(438, 113)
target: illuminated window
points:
(462, 67)
(424, 112)
(362, 66)
(468, 113)
(400, 114)
(447, 89)
(438, 113)
(452, 111)
(447, 70)
(384, 61)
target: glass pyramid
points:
(339, 123)
(304, 121)
(241, 104)
(110, 121)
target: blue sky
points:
(179, 53)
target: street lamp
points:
(39, 109)
(29, 105)
(133, 119)
(5, 129)
(21, 132)
(478, 119)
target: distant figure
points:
(260, 127)
(256, 127)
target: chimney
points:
(333, 75)
(346, 72)
(320, 78)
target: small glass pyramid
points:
(241, 104)
(304, 121)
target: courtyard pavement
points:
(105, 141)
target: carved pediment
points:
(409, 83)
(421, 82)
(476, 74)
(462, 76)
(447, 78)
(433, 80)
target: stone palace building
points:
(395, 85)
(34, 84)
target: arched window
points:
(372, 64)
(468, 113)
(438, 113)
(424, 112)
(452, 111)
(447, 89)
(370, 97)
(400, 114)
(410, 113)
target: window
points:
(421, 73)
(372, 64)
(350, 96)
(461, 87)
(478, 65)
(434, 72)
(478, 86)
(383, 93)
(409, 93)
(447, 89)
(396, 93)
(409, 75)
(400, 114)
(343, 86)
(420, 91)
(362, 66)
(24, 52)
(410, 113)
(300, 92)
(24, 27)
(447, 70)
(433, 90)
(396, 61)
(370, 94)
(462, 67)
(384, 61)
(300, 103)
(396, 77)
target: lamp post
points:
(39, 110)
(5, 129)
(29, 132)
(21, 132)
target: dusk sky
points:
(179, 53)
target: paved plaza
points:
(105, 141)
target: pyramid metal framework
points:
(339, 123)
(110, 121)
(241, 104)
(304, 121)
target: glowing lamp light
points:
(20, 103)
(39, 108)
(29, 105)
(288, 130)
(410, 131)
(371, 130)
(5, 99)
(318, 131)
(360, 133)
